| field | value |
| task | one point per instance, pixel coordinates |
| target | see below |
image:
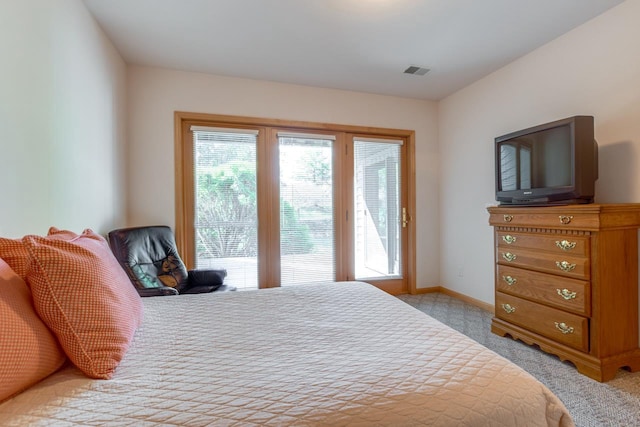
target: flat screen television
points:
(550, 164)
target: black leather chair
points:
(150, 258)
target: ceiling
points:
(358, 45)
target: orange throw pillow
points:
(56, 233)
(29, 351)
(15, 253)
(83, 295)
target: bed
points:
(328, 354)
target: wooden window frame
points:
(184, 196)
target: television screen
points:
(553, 163)
(536, 160)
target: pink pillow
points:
(56, 233)
(15, 253)
(84, 296)
(29, 351)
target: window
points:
(225, 211)
(285, 203)
(377, 208)
(307, 232)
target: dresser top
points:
(592, 216)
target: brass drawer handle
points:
(566, 294)
(509, 239)
(565, 245)
(565, 266)
(508, 218)
(508, 308)
(565, 219)
(509, 256)
(510, 280)
(564, 328)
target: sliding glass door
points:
(307, 232)
(226, 211)
(377, 209)
(282, 207)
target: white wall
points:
(154, 95)
(592, 70)
(62, 112)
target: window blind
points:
(307, 236)
(226, 215)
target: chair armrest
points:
(157, 292)
(197, 278)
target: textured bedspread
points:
(317, 355)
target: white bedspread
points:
(315, 355)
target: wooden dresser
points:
(566, 279)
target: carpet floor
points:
(615, 403)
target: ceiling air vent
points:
(419, 71)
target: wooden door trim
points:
(183, 183)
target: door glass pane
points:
(377, 209)
(525, 167)
(508, 167)
(226, 214)
(306, 211)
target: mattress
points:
(330, 354)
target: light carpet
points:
(591, 404)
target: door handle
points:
(405, 218)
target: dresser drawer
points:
(558, 243)
(563, 327)
(560, 264)
(558, 219)
(561, 292)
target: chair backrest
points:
(150, 258)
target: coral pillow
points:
(29, 351)
(84, 296)
(56, 233)
(14, 253)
